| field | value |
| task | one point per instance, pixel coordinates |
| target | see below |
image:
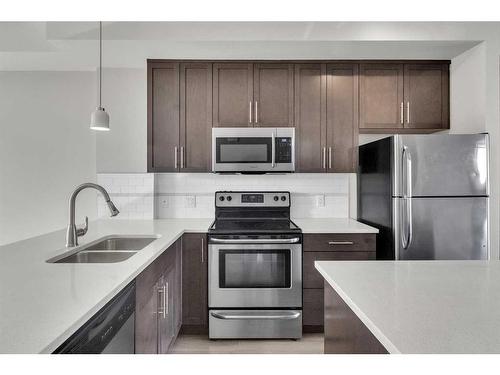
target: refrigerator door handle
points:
(407, 232)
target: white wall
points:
(468, 91)
(46, 149)
(124, 148)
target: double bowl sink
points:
(109, 249)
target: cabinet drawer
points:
(339, 242)
(311, 276)
(313, 308)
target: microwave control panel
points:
(283, 146)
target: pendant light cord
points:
(100, 63)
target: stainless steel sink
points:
(97, 257)
(110, 249)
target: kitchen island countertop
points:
(423, 306)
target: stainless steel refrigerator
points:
(427, 195)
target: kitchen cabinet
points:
(233, 94)
(342, 118)
(179, 117)
(163, 117)
(404, 97)
(194, 283)
(158, 302)
(273, 95)
(326, 117)
(426, 96)
(310, 117)
(328, 247)
(253, 94)
(195, 137)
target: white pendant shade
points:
(99, 120)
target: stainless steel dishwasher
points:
(109, 331)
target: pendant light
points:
(99, 119)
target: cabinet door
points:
(194, 282)
(163, 117)
(381, 96)
(342, 117)
(146, 315)
(273, 95)
(195, 117)
(165, 313)
(426, 96)
(310, 117)
(233, 94)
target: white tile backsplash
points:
(191, 195)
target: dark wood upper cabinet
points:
(273, 95)
(163, 117)
(310, 117)
(195, 117)
(194, 283)
(342, 117)
(426, 96)
(233, 94)
(381, 96)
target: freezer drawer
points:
(255, 324)
(441, 165)
(441, 228)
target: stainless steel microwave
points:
(253, 150)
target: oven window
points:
(243, 150)
(254, 268)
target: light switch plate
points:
(190, 201)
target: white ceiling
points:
(72, 45)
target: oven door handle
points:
(250, 241)
(236, 316)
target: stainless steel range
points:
(255, 267)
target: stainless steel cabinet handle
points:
(340, 243)
(256, 113)
(329, 158)
(407, 112)
(402, 113)
(250, 241)
(175, 157)
(294, 315)
(250, 113)
(162, 306)
(182, 157)
(165, 298)
(273, 150)
(202, 249)
(324, 157)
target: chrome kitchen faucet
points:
(73, 232)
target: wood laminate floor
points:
(311, 343)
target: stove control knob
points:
(221, 198)
(229, 198)
(276, 198)
(283, 198)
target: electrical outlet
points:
(164, 202)
(190, 201)
(320, 201)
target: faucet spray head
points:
(112, 209)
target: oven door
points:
(255, 275)
(252, 150)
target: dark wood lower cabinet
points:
(344, 332)
(158, 303)
(328, 247)
(194, 283)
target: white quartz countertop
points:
(42, 304)
(423, 306)
(333, 225)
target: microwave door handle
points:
(273, 150)
(256, 240)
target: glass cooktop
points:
(254, 226)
